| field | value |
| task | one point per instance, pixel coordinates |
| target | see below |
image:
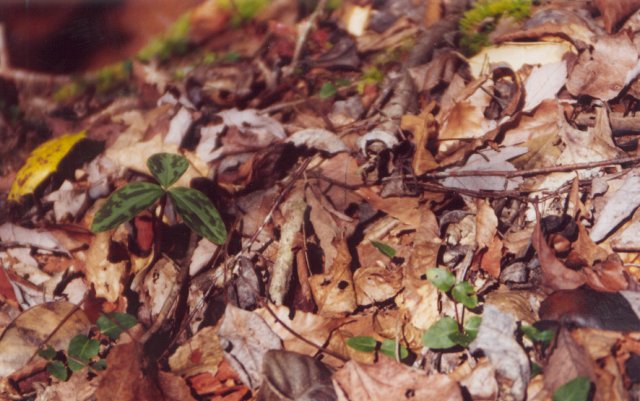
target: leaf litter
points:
(357, 160)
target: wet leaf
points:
(43, 161)
(125, 204)
(575, 390)
(465, 294)
(388, 348)
(438, 336)
(384, 248)
(114, 323)
(362, 343)
(441, 278)
(199, 214)
(167, 167)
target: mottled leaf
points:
(114, 323)
(362, 343)
(199, 214)
(441, 278)
(43, 161)
(125, 204)
(167, 167)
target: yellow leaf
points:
(43, 161)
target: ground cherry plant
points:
(196, 210)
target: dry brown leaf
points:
(422, 126)
(486, 224)
(324, 225)
(543, 83)
(333, 291)
(173, 387)
(555, 275)
(125, 378)
(607, 275)
(619, 205)
(616, 11)
(376, 284)
(403, 209)
(28, 332)
(592, 75)
(492, 258)
(317, 329)
(359, 382)
(202, 353)
(568, 361)
(246, 337)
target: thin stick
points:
(302, 39)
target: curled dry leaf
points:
(376, 284)
(618, 206)
(568, 361)
(391, 380)
(555, 274)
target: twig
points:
(535, 171)
(4, 51)
(305, 29)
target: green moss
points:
(113, 75)
(243, 10)
(478, 22)
(370, 76)
(68, 91)
(174, 41)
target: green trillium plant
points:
(196, 210)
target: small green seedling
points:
(577, 389)
(447, 332)
(196, 210)
(385, 249)
(83, 351)
(370, 344)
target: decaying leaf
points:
(43, 161)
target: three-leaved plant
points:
(448, 332)
(196, 210)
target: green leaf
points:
(125, 204)
(199, 214)
(167, 167)
(48, 353)
(575, 390)
(389, 349)
(462, 339)
(465, 294)
(543, 336)
(362, 343)
(81, 350)
(472, 324)
(441, 278)
(327, 90)
(114, 323)
(99, 365)
(438, 336)
(384, 248)
(58, 370)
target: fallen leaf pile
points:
(406, 219)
